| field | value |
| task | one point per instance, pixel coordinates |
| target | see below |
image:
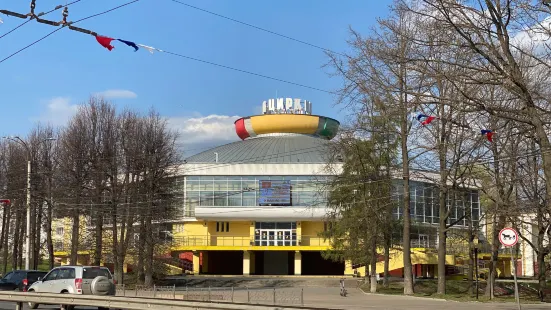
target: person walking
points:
(343, 290)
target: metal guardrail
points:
(130, 303)
(274, 296)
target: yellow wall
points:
(195, 229)
(310, 234)
(311, 228)
(236, 229)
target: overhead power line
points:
(33, 16)
(69, 24)
(248, 72)
(258, 28)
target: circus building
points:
(255, 206)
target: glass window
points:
(206, 185)
(52, 275)
(93, 272)
(206, 199)
(220, 199)
(220, 185)
(249, 198)
(234, 198)
(192, 199)
(192, 185)
(234, 185)
(66, 273)
(33, 276)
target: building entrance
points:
(275, 234)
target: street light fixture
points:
(18, 140)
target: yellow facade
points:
(201, 238)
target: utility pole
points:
(20, 141)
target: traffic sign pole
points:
(509, 237)
(514, 270)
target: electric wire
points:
(257, 27)
(57, 29)
(46, 13)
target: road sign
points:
(508, 236)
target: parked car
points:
(20, 280)
(82, 280)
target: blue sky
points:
(45, 82)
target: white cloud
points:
(58, 111)
(199, 133)
(117, 94)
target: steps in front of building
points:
(257, 281)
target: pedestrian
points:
(343, 290)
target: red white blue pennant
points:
(427, 119)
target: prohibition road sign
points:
(508, 236)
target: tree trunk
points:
(373, 265)
(74, 235)
(386, 260)
(470, 273)
(116, 248)
(23, 231)
(49, 240)
(408, 275)
(4, 234)
(498, 223)
(16, 239)
(149, 245)
(99, 237)
(542, 281)
(6, 239)
(442, 227)
(38, 237)
(141, 253)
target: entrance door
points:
(275, 234)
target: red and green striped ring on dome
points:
(321, 126)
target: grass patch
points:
(461, 291)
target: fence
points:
(239, 241)
(273, 296)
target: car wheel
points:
(67, 307)
(32, 305)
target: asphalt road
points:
(11, 306)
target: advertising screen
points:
(274, 193)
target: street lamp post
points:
(476, 245)
(28, 231)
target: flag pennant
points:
(129, 43)
(105, 42)
(428, 119)
(149, 48)
(488, 133)
(420, 116)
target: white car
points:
(82, 280)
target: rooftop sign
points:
(286, 106)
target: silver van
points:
(83, 280)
